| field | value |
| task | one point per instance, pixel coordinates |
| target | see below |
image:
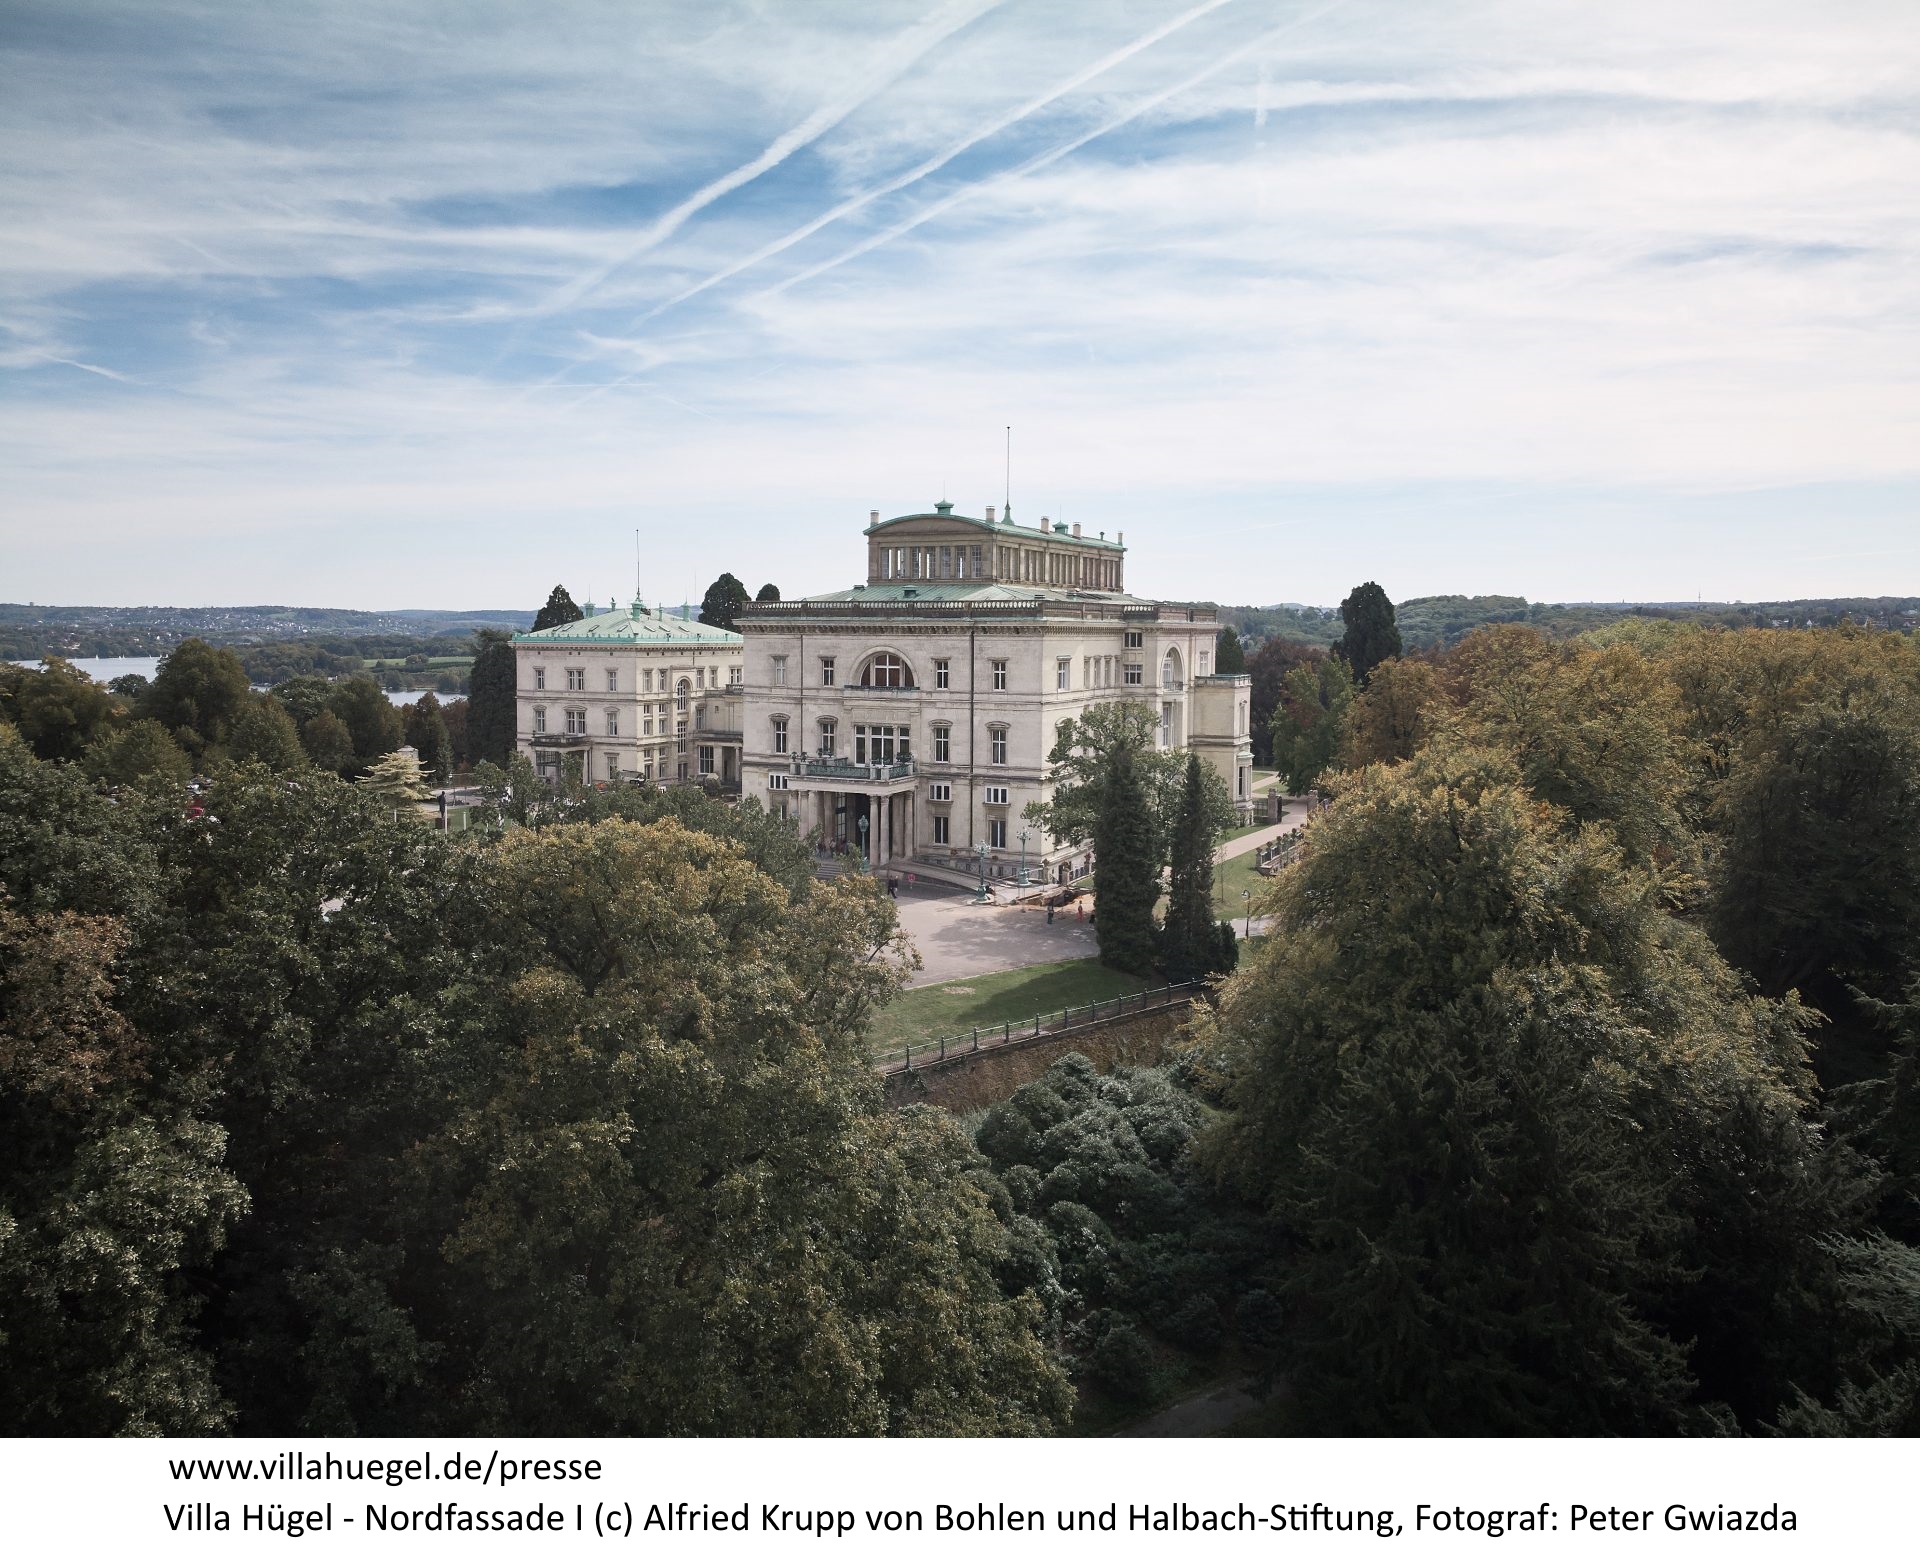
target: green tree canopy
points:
(1370, 637)
(767, 594)
(56, 708)
(264, 732)
(1229, 656)
(1571, 1112)
(559, 609)
(492, 718)
(1189, 937)
(1126, 867)
(196, 694)
(1310, 719)
(372, 720)
(141, 749)
(724, 601)
(426, 731)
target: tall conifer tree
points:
(1189, 942)
(1126, 874)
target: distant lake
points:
(106, 670)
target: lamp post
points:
(1247, 897)
(984, 895)
(1023, 855)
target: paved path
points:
(1207, 1413)
(959, 938)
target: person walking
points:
(893, 887)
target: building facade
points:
(911, 717)
(630, 695)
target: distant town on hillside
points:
(41, 630)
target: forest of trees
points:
(1574, 1087)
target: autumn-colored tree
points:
(1393, 716)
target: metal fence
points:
(1049, 1024)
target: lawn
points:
(1232, 878)
(946, 1010)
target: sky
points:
(383, 304)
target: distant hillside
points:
(1444, 620)
(31, 630)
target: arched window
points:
(886, 672)
(681, 692)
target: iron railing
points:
(841, 768)
(1049, 1024)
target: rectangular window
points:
(613, 768)
(942, 793)
(613, 723)
(706, 760)
(1063, 673)
(996, 795)
(942, 831)
(828, 729)
(539, 719)
(646, 726)
(539, 679)
(942, 673)
(826, 671)
(577, 720)
(1166, 722)
(942, 742)
(1133, 639)
(576, 679)
(999, 673)
(1206, 663)
(646, 681)
(779, 668)
(613, 679)
(779, 736)
(997, 832)
(777, 781)
(997, 746)
(977, 571)
(946, 560)
(1133, 674)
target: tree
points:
(328, 743)
(371, 718)
(396, 780)
(1590, 1198)
(1371, 637)
(305, 696)
(492, 718)
(57, 709)
(454, 715)
(724, 601)
(426, 731)
(1126, 867)
(141, 749)
(1189, 938)
(1082, 760)
(1269, 667)
(1308, 722)
(767, 594)
(560, 609)
(264, 733)
(1229, 656)
(110, 1194)
(1819, 882)
(196, 694)
(1392, 717)
(677, 1188)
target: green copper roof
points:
(630, 627)
(945, 513)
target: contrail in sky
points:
(1042, 160)
(905, 53)
(940, 159)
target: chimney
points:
(874, 518)
(1076, 529)
(989, 514)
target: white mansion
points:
(631, 694)
(912, 716)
